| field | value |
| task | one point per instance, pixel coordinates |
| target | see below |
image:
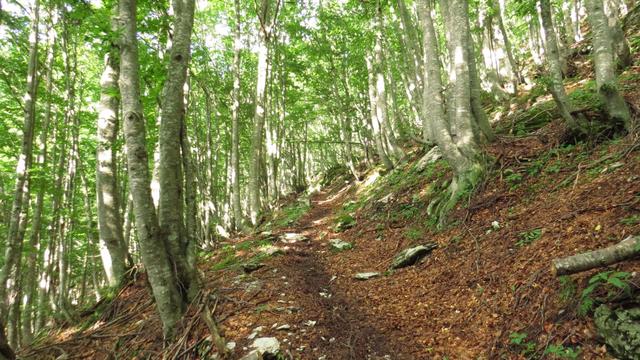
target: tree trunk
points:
(615, 105)
(170, 206)
(554, 66)
(13, 251)
(113, 250)
(235, 136)
(152, 245)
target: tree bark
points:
(624, 250)
(615, 105)
(554, 66)
(152, 245)
(13, 251)
(113, 250)
(235, 135)
(170, 206)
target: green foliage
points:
(527, 237)
(631, 220)
(291, 214)
(520, 342)
(568, 288)
(512, 178)
(414, 233)
(560, 351)
(615, 281)
(344, 221)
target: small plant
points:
(567, 288)
(562, 352)
(631, 220)
(520, 341)
(344, 222)
(617, 281)
(414, 233)
(513, 179)
(409, 211)
(527, 237)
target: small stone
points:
(231, 345)
(252, 335)
(311, 323)
(366, 275)
(495, 225)
(292, 238)
(253, 355)
(251, 267)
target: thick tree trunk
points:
(170, 206)
(19, 209)
(113, 250)
(624, 250)
(615, 104)
(152, 245)
(554, 66)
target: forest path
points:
(327, 323)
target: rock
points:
(283, 327)
(292, 238)
(253, 355)
(429, 158)
(620, 330)
(366, 275)
(231, 345)
(386, 199)
(411, 255)
(266, 345)
(272, 250)
(339, 245)
(251, 267)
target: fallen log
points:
(624, 250)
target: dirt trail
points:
(342, 330)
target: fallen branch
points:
(624, 250)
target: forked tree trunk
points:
(152, 245)
(170, 206)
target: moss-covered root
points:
(461, 186)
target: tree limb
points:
(624, 250)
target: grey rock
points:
(251, 267)
(292, 238)
(266, 345)
(253, 355)
(272, 250)
(411, 255)
(339, 245)
(620, 330)
(366, 275)
(429, 158)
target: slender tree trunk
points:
(615, 105)
(375, 123)
(621, 50)
(13, 251)
(152, 245)
(556, 85)
(235, 136)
